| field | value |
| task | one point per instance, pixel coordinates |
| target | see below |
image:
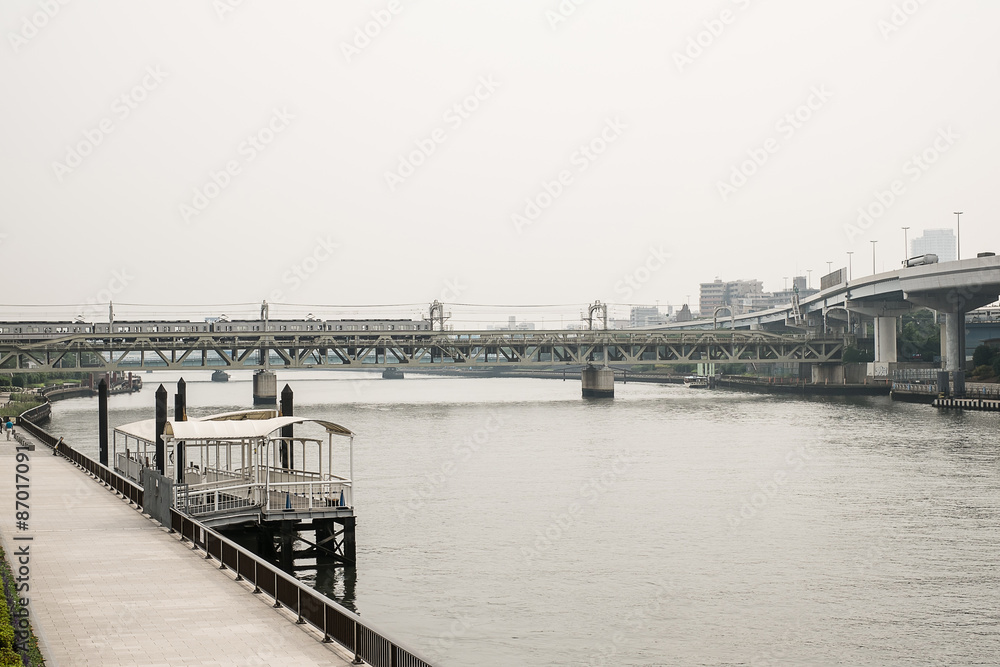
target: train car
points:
(43, 329)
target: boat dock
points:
(109, 586)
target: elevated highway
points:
(951, 288)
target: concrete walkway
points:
(109, 586)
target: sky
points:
(200, 157)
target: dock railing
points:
(334, 621)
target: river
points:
(510, 522)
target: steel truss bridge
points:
(370, 350)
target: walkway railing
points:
(335, 622)
(132, 492)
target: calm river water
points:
(509, 522)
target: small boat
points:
(696, 382)
(392, 373)
(220, 376)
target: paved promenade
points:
(111, 587)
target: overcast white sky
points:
(101, 193)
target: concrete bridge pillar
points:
(952, 341)
(885, 339)
(598, 382)
(265, 388)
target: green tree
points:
(984, 355)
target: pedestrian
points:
(55, 450)
(9, 426)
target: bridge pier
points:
(598, 382)
(265, 388)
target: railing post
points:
(357, 644)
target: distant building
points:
(732, 294)
(684, 314)
(643, 317)
(512, 325)
(940, 242)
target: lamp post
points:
(809, 278)
(873, 257)
(829, 268)
(906, 247)
(958, 239)
(849, 253)
(786, 283)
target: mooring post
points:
(180, 415)
(102, 420)
(287, 451)
(161, 423)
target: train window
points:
(390, 327)
(364, 327)
(340, 327)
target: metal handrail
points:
(334, 621)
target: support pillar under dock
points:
(598, 382)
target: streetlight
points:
(829, 268)
(958, 240)
(786, 283)
(809, 278)
(873, 257)
(906, 247)
(849, 253)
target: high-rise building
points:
(642, 317)
(940, 242)
(733, 294)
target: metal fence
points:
(114, 481)
(334, 621)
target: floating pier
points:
(246, 469)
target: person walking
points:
(9, 427)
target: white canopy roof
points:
(243, 425)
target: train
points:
(222, 325)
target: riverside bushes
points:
(9, 657)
